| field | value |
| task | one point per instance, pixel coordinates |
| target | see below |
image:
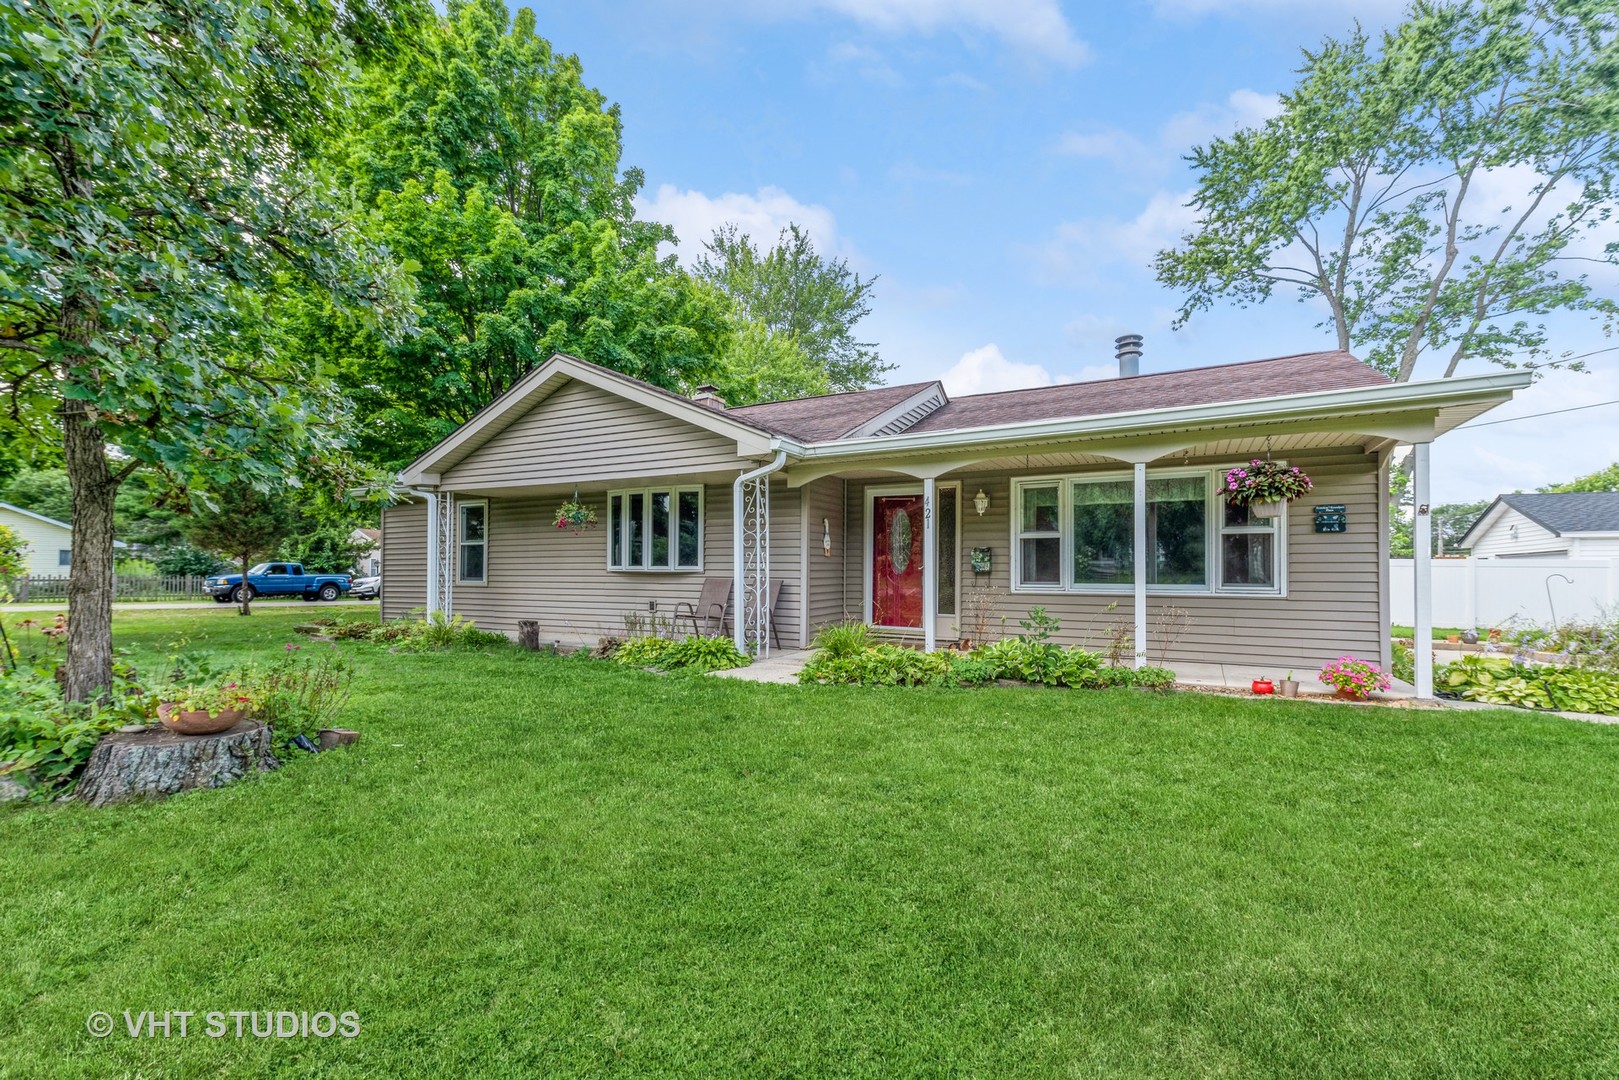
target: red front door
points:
(896, 560)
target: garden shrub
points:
(1497, 680)
(699, 654)
(301, 693)
(48, 741)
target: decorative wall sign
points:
(980, 560)
(1331, 518)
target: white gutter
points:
(1432, 393)
(738, 626)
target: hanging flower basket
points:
(1264, 487)
(576, 516)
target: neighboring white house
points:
(1567, 525)
(368, 563)
(50, 542)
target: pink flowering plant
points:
(1264, 481)
(575, 515)
(1356, 678)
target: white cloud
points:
(867, 62)
(1037, 27)
(695, 215)
(1484, 461)
(1080, 250)
(1365, 10)
(986, 369)
(1242, 108)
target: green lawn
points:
(1440, 633)
(543, 867)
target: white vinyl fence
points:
(1491, 592)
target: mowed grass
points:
(545, 867)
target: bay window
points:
(655, 529)
(1078, 533)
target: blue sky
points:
(1007, 168)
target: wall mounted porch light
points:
(981, 502)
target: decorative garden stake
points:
(576, 515)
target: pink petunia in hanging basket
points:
(1265, 482)
(576, 516)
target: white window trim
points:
(461, 506)
(675, 491)
(1214, 528)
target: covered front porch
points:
(908, 535)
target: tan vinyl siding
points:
(823, 500)
(1333, 605)
(537, 571)
(581, 432)
(404, 559)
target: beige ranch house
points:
(935, 518)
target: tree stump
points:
(158, 763)
(528, 634)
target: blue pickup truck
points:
(277, 579)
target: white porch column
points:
(930, 565)
(1141, 563)
(1422, 570)
(739, 588)
(432, 552)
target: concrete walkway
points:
(1241, 677)
(781, 666)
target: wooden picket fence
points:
(46, 588)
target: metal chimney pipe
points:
(1127, 347)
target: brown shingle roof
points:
(820, 419)
(1300, 374)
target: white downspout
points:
(432, 545)
(738, 586)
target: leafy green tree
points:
(330, 549)
(488, 164)
(1601, 480)
(793, 291)
(179, 560)
(158, 192)
(762, 365)
(1435, 192)
(245, 523)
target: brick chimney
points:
(708, 396)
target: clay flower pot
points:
(1263, 686)
(1453, 639)
(198, 721)
(1350, 695)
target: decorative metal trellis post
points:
(754, 581)
(441, 587)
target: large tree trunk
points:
(90, 582)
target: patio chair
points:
(712, 613)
